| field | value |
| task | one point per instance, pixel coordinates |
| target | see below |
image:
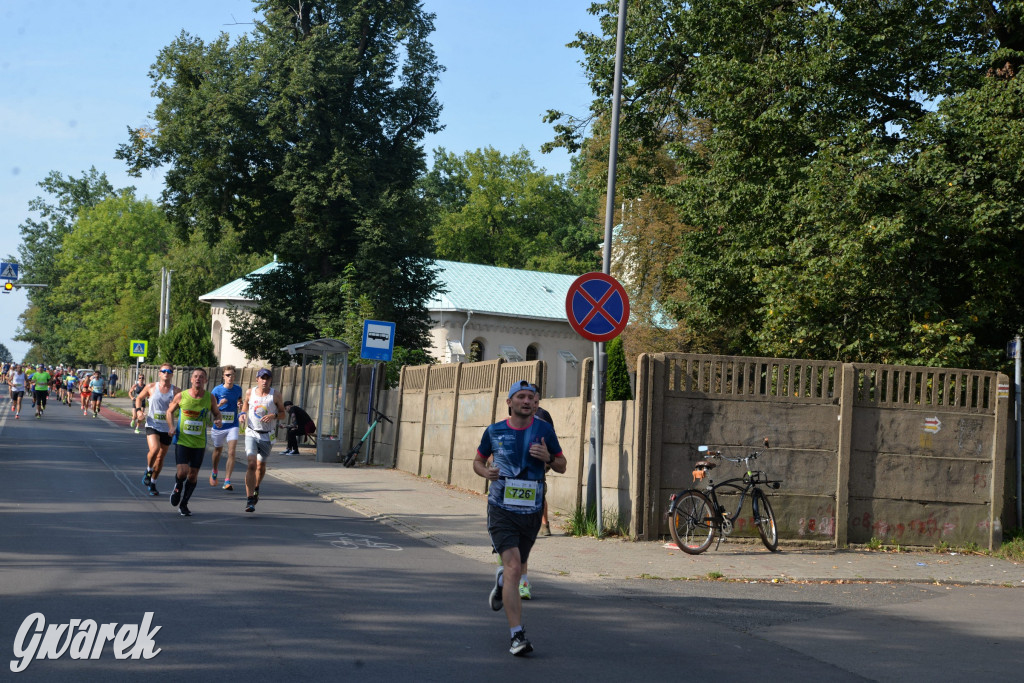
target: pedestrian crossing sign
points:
(8, 271)
(138, 347)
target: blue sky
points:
(74, 78)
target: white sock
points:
(523, 579)
(515, 630)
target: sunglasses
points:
(167, 371)
(228, 374)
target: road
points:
(307, 588)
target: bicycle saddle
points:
(705, 465)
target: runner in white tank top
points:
(262, 408)
(160, 395)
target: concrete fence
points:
(906, 454)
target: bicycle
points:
(350, 458)
(696, 517)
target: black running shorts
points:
(165, 438)
(193, 457)
(513, 530)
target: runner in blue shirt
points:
(522, 447)
(229, 400)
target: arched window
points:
(532, 352)
(476, 351)
(217, 335)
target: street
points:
(308, 588)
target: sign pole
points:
(597, 432)
(1018, 415)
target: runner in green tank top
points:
(195, 407)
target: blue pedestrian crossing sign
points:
(8, 271)
(138, 348)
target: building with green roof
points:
(481, 313)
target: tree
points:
(187, 343)
(5, 354)
(847, 170)
(108, 293)
(304, 137)
(41, 241)
(502, 210)
(616, 382)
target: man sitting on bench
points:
(299, 423)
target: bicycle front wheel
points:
(764, 518)
(692, 523)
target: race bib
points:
(521, 492)
(226, 417)
(159, 416)
(192, 427)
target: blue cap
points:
(264, 373)
(522, 385)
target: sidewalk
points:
(455, 520)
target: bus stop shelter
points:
(330, 418)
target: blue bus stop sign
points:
(378, 340)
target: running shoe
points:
(520, 645)
(495, 597)
(227, 486)
(17, 416)
(175, 495)
(213, 479)
(147, 478)
(184, 511)
(256, 495)
(250, 504)
(137, 431)
(524, 590)
(152, 489)
(547, 530)
(38, 416)
(134, 423)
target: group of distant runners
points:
(39, 381)
(172, 415)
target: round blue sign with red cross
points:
(597, 307)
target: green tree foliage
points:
(502, 210)
(304, 137)
(107, 295)
(616, 378)
(849, 172)
(5, 354)
(187, 343)
(42, 238)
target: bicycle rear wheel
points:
(692, 523)
(765, 520)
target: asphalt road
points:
(305, 588)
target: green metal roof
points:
(234, 291)
(502, 291)
(466, 287)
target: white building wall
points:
(549, 337)
(224, 348)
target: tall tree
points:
(5, 354)
(502, 210)
(108, 294)
(854, 176)
(305, 137)
(42, 238)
